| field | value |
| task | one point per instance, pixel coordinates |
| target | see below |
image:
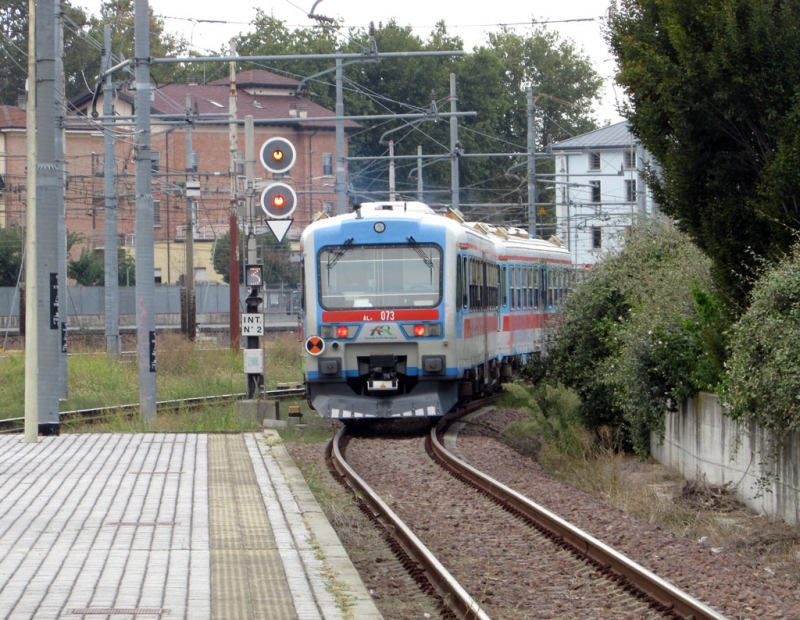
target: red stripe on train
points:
(369, 316)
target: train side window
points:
(519, 287)
(503, 285)
(464, 279)
(459, 282)
(536, 303)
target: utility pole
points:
(255, 379)
(192, 191)
(111, 258)
(454, 187)
(233, 273)
(391, 170)
(31, 288)
(145, 268)
(59, 206)
(340, 187)
(419, 173)
(533, 228)
(47, 324)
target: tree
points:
(12, 243)
(713, 95)
(278, 268)
(83, 41)
(491, 81)
(89, 269)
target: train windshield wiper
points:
(338, 253)
(425, 258)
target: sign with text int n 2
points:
(252, 324)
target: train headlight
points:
(423, 330)
(379, 227)
(342, 331)
(327, 331)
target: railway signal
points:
(278, 155)
(278, 201)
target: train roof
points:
(510, 238)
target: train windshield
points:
(381, 276)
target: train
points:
(408, 312)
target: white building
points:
(599, 190)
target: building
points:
(263, 95)
(599, 190)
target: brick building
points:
(260, 94)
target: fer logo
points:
(381, 331)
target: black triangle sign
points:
(279, 228)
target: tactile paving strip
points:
(247, 577)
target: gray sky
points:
(209, 24)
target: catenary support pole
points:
(145, 269)
(233, 273)
(31, 289)
(48, 186)
(111, 258)
(191, 307)
(419, 173)
(533, 228)
(63, 392)
(454, 148)
(340, 187)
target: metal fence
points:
(85, 305)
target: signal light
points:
(278, 155)
(419, 330)
(342, 331)
(278, 200)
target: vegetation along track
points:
(17, 425)
(493, 553)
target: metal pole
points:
(59, 206)
(454, 187)
(111, 258)
(391, 170)
(532, 215)
(191, 308)
(341, 188)
(31, 289)
(145, 268)
(255, 381)
(419, 173)
(47, 189)
(233, 272)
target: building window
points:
(595, 189)
(156, 214)
(629, 159)
(155, 161)
(327, 164)
(630, 190)
(327, 206)
(597, 237)
(594, 161)
(239, 163)
(157, 274)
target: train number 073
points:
(387, 315)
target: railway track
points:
(505, 554)
(16, 425)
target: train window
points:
(503, 286)
(519, 287)
(381, 276)
(464, 277)
(459, 281)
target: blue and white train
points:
(407, 312)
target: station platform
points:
(167, 526)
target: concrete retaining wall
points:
(700, 441)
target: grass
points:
(184, 370)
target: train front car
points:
(376, 313)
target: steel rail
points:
(657, 588)
(452, 593)
(10, 425)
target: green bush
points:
(641, 332)
(762, 383)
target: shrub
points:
(641, 331)
(763, 379)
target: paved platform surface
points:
(167, 526)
